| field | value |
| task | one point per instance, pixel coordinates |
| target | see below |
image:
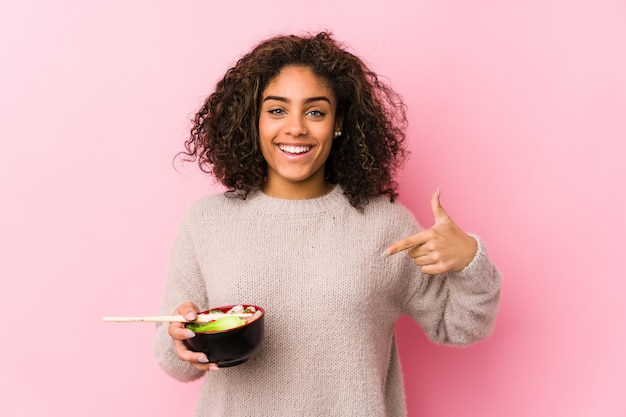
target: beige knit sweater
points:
(331, 302)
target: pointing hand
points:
(440, 249)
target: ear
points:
(338, 123)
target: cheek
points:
(267, 129)
(263, 132)
(265, 139)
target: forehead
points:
(298, 81)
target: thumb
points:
(435, 205)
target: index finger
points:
(188, 310)
(404, 244)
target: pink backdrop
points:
(517, 112)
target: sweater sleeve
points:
(458, 308)
(184, 282)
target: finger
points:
(422, 255)
(404, 244)
(435, 204)
(197, 359)
(178, 331)
(188, 310)
(183, 353)
(205, 367)
(208, 367)
(418, 252)
(432, 269)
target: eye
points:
(276, 112)
(316, 113)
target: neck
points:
(302, 190)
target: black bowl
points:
(230, 347)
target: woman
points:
(307, 140)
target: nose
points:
(296, 126)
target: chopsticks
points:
(200, 318)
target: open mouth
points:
(295, 150)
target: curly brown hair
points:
(224, 138)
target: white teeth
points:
(294, 149)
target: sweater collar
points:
(328, 202)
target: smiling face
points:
(296, 129)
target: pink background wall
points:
(517, 112)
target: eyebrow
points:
(308, 100)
